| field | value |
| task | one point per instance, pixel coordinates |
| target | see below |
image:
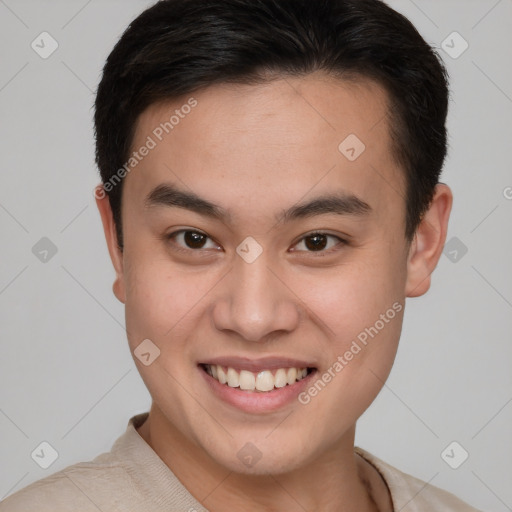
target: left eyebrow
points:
(340, 204)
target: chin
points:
(260, 457)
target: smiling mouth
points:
(263, 381)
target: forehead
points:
(271, 142)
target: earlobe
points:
(428, 243)
(107, 219)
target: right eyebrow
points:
(170, 196)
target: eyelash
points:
(320, 253)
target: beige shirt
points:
(132, 478)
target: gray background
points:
(67, 376)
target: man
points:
(270, 196)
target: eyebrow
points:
(340, 204)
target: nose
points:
(256, 302)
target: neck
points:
(337, 481)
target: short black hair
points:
(176, 47)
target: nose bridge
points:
(253, 291)
(255, 302)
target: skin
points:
(256, 150)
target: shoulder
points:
(85, 486)
(410, 494)
(104, 483)
(130, 477)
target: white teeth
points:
(280, 378)
(233, 378)
(263, 381)
(221, 375)
(291, 375)
(247, 380)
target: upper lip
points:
(257, 365)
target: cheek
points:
(362, 306)
(352, 296)
(355, 370)
(160, 300)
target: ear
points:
(428, 242)
(116, 255)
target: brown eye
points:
(194, 240)
(316, 242)
(319, 242)
(190, 240)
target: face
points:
(257, 247)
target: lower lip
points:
(256, 401)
